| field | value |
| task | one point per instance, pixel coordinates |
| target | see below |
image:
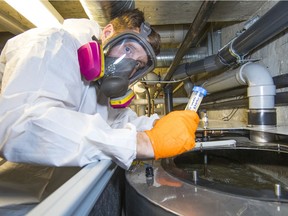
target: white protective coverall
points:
(40, 116)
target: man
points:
(50, 114)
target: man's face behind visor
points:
(128, 58)
(130, 48)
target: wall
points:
(273, 55)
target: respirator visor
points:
(128, 58)
(132, 51)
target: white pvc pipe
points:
(159, 101)
(222, 82)
(261, 89)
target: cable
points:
(159, 81)
(228, 117)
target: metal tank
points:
(219, 177)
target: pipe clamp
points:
(239, 58)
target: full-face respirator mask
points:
(117, 66)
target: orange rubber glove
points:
(174, 133)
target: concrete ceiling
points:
(182, 24)
(172, 19)
(158, 13)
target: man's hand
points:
(173, 134)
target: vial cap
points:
(200, 89)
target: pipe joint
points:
(223, 60)
(268, 90)
(261, 89)
(261, 97)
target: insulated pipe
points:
(191, 37)
(171, 34)
(268, 26)
(166, 56)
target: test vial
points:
(196, 98)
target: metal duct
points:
(104, 11)
(171, 34)
(166, 56)
(193, 33)
(196, 27)
(268, 26)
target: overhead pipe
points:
(208, 102)
(192, 35)
(269, 25)
(166, 56)
(196, 27)
(171, 34)
(218, 87)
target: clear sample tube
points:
(196, 98)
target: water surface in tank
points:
(253, 173)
